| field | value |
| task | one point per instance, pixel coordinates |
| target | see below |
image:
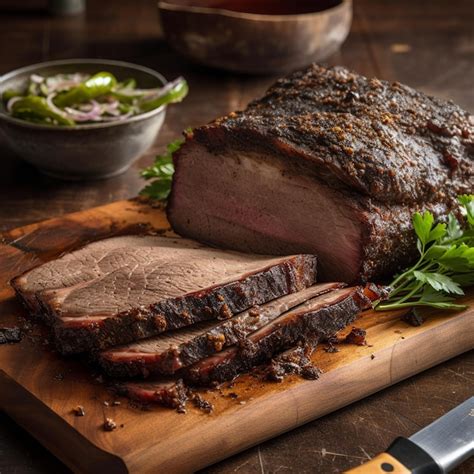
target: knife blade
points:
(436, 449)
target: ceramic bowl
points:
(89, 151)
(238, 35)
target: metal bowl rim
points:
(170, 6)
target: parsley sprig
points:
(445, 265)
(160, 173)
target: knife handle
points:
(382, 464)
(402, 457)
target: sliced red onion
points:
(157, 93)
(62, 82)
(79, 116)
(111, 108)
(170, 85)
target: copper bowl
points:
(256, 36)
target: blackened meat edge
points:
(321, 323)
(170, 352)
(305, 328)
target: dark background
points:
(438, 42)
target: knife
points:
(436, 449)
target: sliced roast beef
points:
(327, 162)
(169, 352)
(167, 392)
(156, 285)
(86, 264)
(317, 319)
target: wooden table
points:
(426, 44)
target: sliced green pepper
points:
(9, 94)
(97, 85)
(125, 108)
(176, 93)
(36, 109)
(32, 88)
(127, 96)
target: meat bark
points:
(327, 162)
(153, 284)
(318, 319)
(170, 352)
(294, 361)
(171, 393)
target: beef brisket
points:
(169, 352)
(294, 361)
(317, 319)
(171, 393)
(86, 264)
(327, 162)
(152, 284)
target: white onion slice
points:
(12, 101)
(57, 110)
(118, 118)
(36, 78)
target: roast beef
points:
(327, 162)
(317, 319)
(171, 393)
(171, 351)
(86, 264)
(122, 293)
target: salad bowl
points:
(86, 150)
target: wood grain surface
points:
(426, 44)
(40, 389)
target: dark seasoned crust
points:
(189, 345)
(384, 140)
(169, 393)
(388, 241)
(355, 157)
(319, 324)
(219, 302)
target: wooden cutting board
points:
(39, 389)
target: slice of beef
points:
(167, 392)
(327, 162)
(83, 265)
(172, 351)
(318, 319)
(159, 284)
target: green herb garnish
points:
(161, 172)
(445, 266)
